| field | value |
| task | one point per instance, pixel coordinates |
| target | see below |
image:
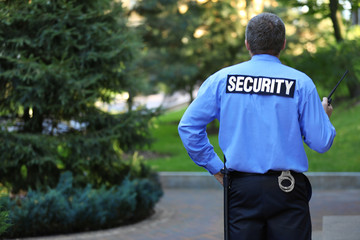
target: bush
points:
(65, 209)
(29, 160)
(4, 224)
(26, 161)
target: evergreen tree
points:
(57, 58)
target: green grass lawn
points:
(344, 156)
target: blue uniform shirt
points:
(266, 110)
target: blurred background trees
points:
(323, 41)
(186, 41)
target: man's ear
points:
(247, 45)
(284, 45)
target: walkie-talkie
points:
(332, 92)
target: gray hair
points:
(265, 34)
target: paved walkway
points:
(193, 214)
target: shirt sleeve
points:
(192, 127)
(316, 128)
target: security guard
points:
(266, 110)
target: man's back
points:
(264, 109)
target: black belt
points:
(246, 174)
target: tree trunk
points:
(191, 90)
(355, 10)
(130, 101)
(336, 19)
(354, 89)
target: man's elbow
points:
(322, 150)
(184, 130)
(323, 145)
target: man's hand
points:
(220, 177)
(328, 108)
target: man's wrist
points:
(219, 177)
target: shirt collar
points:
(265, 57)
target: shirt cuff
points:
(214, 165)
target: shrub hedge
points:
(66, 209)
(4, 222)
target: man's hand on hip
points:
(220, 177)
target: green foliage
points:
(4, 224)
(181, 60)
(66, 209)
(324, 9)
(26, 161)
(328, 64)
(4, 215)
(96, 158)
(57, 58)
(177, 56)
(34, 160)
(60, 57)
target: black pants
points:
(259, 209)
